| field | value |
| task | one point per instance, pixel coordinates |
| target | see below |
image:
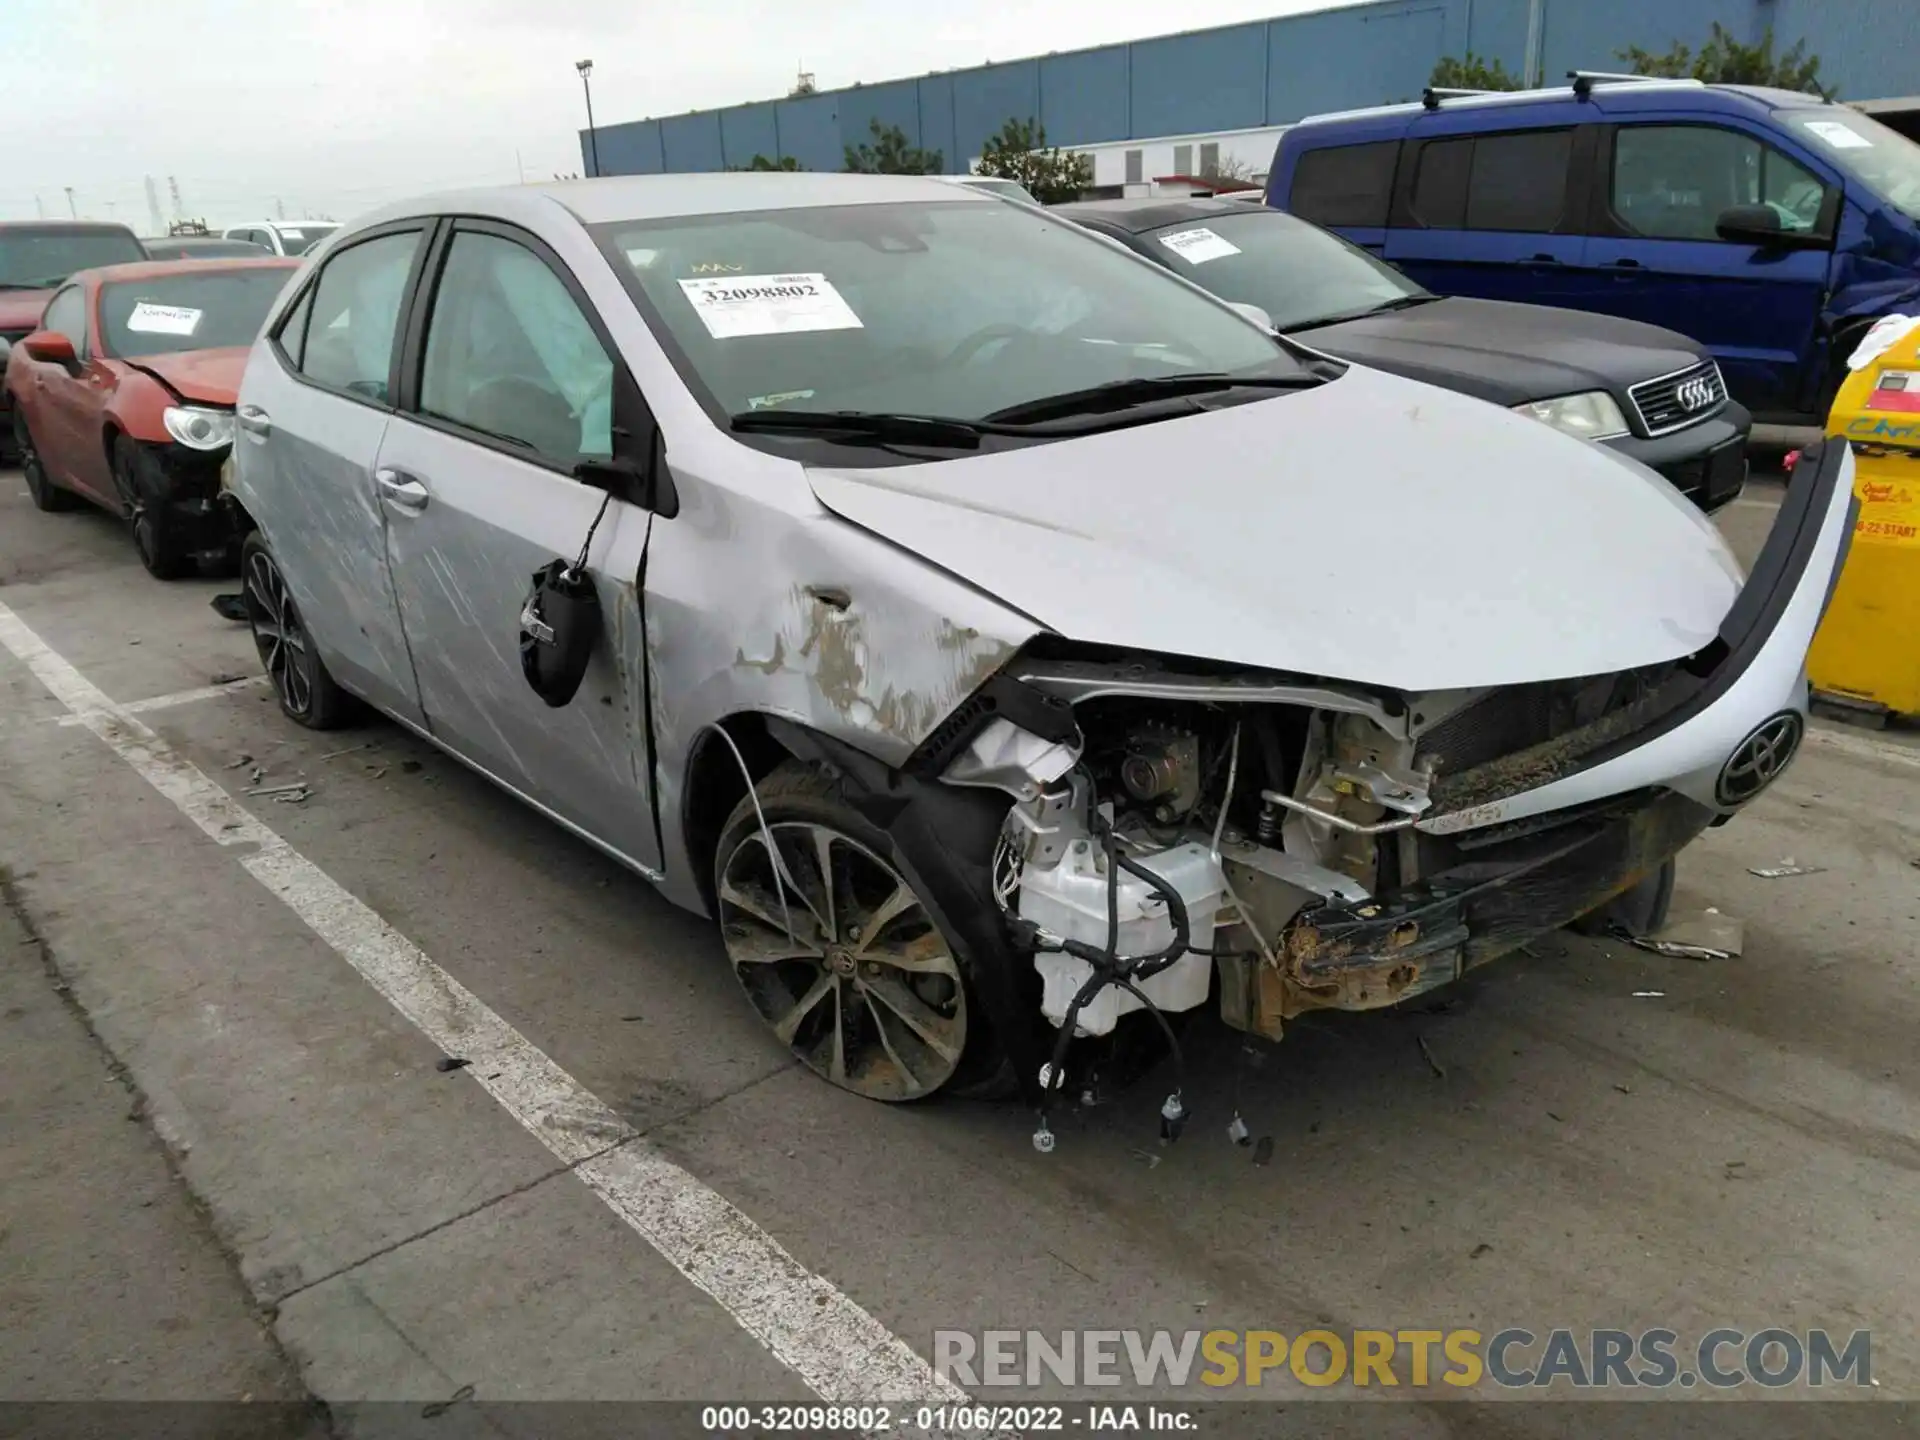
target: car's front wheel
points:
(154, 536)
(307, 693)
(836, 950)
(44, 493)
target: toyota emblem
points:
(1758, 760)
(1695, 394)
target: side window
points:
(1345, 184)
(292, 334)
(1519, 181)
(1670, 182)
(67, 315)
(1440, 184)
(509, 354)
(355, 309)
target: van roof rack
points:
(1434, 94)
(1585, 80)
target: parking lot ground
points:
(633, 1194)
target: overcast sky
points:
(333, 106)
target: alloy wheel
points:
(278, 634)
(844, 961)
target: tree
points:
(1020, 153)
(1472, 72)
(890, 154)
(761, 162)
(1231, 168)
(1723, 60)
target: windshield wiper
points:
(862, 425)
(1120, 394)
(25, 285)
(1385, 307)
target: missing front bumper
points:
(1514, 884)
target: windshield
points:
(203, 311)
(1298, 273)
(955, 310)
(1883, 160)
(298, 239)
(34, 259)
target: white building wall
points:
(1251, 148)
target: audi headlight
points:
(1590, 415)
(198, 428)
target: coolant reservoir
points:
(1071, 900)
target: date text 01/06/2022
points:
(946, 1419)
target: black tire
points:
(1640, 911)
(880, 1053)
(46, 495)
(154, 537)
(307, 694)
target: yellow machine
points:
(1866, 654)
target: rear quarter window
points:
(1345, 184)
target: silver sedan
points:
(1005, 641)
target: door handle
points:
(254, 420)
(1628, 264)
(1544, 260)
(405, 492)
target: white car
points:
(282, 237)
(993, 631)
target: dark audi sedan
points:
(1649, 393)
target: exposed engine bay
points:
(1265, 831)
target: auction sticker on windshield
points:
(1198, 246)
(769, 305)
(150, 319)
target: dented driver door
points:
(509, 387)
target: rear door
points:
(314, 405)
(1495, 215)
(515, 384)
(1656, 256)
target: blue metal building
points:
(1267, 72)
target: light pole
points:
(585, 67)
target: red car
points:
(36, 257)
(124, 396)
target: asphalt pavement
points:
(630, 1193)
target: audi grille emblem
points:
(1695, 394)
(1758, 760)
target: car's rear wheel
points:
(841, 957)
(153, 534)
(45, 494)
(307, 693)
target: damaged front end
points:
(1285, 816)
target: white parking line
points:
(842, 1353)
(179, 697)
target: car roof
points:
(161, 269)
(68, 227)
(662, 197)
(1135, 216)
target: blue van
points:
(1770, 226)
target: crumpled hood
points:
(1372, 530)
(209, 376)
(1508, 353)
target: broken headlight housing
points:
(199, 428)
(1590, 415)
